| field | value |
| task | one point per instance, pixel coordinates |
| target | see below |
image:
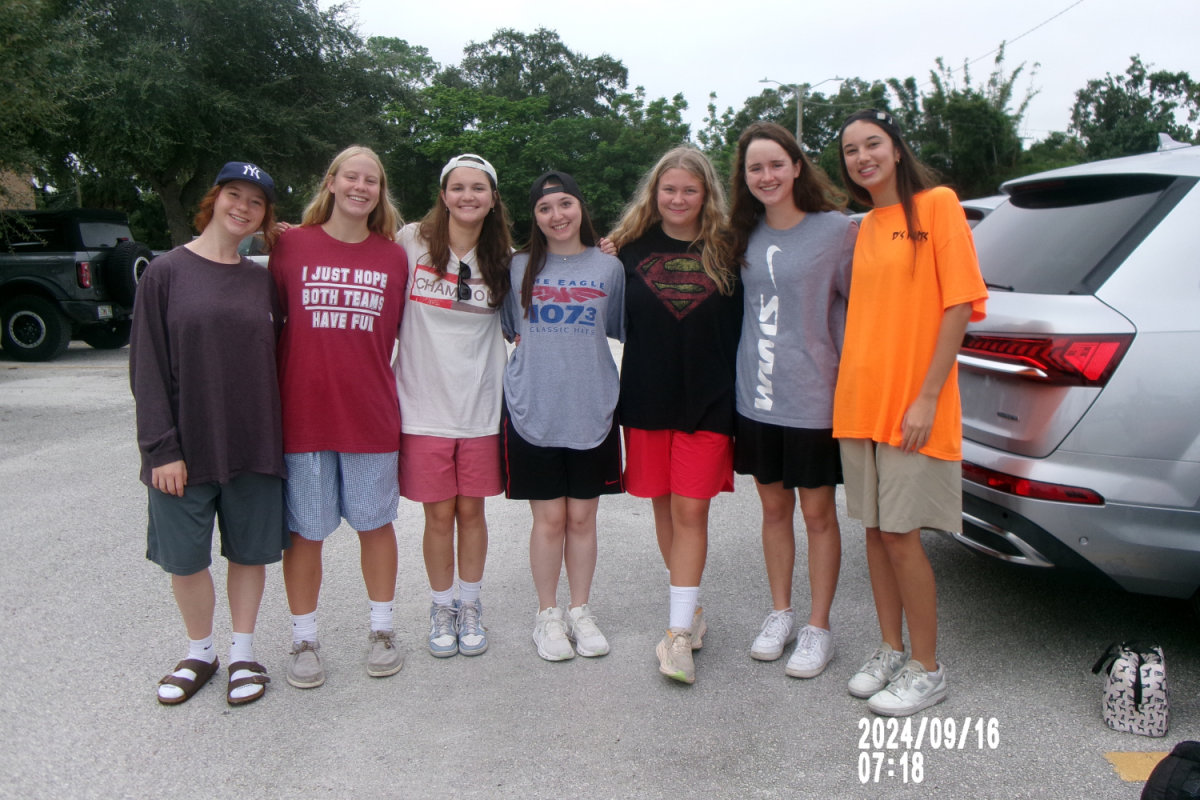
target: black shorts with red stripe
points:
(547, 473)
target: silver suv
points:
(1081, 388)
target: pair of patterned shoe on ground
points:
(457, 628)
(554, 634)
(306, 672)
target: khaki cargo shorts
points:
(899, 492)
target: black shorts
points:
(805, 458)
(548, 473)
(250, 514)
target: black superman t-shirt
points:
(681, 339)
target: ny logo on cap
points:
(250, 169)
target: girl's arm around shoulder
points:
(846, 260)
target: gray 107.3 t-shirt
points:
(797, 282)
(561, 383)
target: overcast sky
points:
(703, 46)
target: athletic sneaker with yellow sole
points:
(675, 655)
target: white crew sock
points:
(199, 649)
(381, 615)
(683, 605)
(304, 627)
(445, 598)
(469, 592)
(242, 649)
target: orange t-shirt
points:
(893, 318)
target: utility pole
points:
(799, 90)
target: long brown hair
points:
(204, 215)
(384, 218)
(811, 191)
(493, 251)
(716, 254)
(538, 248)
(912, 176)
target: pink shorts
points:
(435, 468)
(697, 465)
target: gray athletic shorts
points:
(899, 492)
(327, 486)
(249, 513)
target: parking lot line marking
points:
(1134, 766)
(66, 366)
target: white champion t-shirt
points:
(450, 365)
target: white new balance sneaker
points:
(913, 689)
(883, 665)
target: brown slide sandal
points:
(203, 670)
(260, 678)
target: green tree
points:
(40, 51)
(517, 65)
(182, 86)
(1123, 115)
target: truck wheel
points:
(107, 336)
(123, 269)
(34, 329)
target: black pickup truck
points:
(66, 275)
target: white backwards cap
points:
(470, 160)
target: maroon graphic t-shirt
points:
(342, 304)
(681, 339)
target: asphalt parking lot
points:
(87, 626)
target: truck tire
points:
(107, 336)
(123, 269)
(34, 329)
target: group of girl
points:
(774, 338)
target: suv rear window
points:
(103, 234)
(1067, 236)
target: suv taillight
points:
(1075, 360)
(83, 274)
(1023, 487)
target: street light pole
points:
(800, 90)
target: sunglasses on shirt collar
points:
(464, 275)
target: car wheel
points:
(107, 336)
(123, 269)
(34, 329)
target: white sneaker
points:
(582, 630)
(814, 651)
(550, 636)
(778, 631)
(883, 665)
(913, 690)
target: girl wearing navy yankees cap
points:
(209, 425)
(561, 448)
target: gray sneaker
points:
(472, 636)
(443, 630)
(883, 665)
(384, 657)
(304, 667)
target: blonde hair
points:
(716, 255)
(384, 219)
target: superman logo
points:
(566, 294)
(678, 280)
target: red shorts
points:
(435, 468)
(697, 465)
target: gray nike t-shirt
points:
(561, 383)
(796, 282)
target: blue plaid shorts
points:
(325, 486)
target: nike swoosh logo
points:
(610, 483)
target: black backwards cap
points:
(540, 189)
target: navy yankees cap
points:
(245, 171)
(540, 189)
